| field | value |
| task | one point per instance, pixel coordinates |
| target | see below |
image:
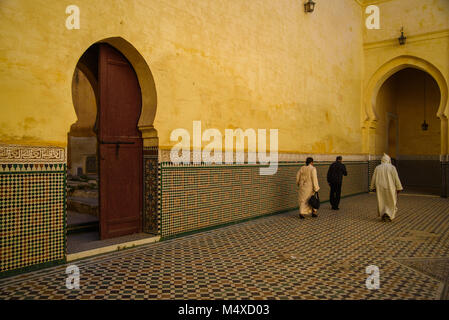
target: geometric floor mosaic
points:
(437, 268)
(276, 257)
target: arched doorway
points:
(105, 145)
(409, 130)
(83, 214)
(373, 120)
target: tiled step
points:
(87, 193)
(83, 205)
(88, 227)
(81, 222)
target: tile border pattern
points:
(150, 185)
(164, 156)
(32, 207)
(197, 197)
(31, 154)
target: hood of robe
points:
(386, 159)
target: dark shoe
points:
(314, 215)
(335, 208)
(301, 216)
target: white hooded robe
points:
(386, 182)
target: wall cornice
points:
(164, 156)
(365, 3)
(369, 2)
(410, 39)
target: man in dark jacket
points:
(335, 178)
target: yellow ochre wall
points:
(426, 26)
(237, 63)
(416, 16)
(248, 64)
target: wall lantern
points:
(309, 6)
(425, 125)
(402, 38)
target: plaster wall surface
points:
(247, 64)
(426, 26)
(84, 104)
(416, 16)
(232, 64)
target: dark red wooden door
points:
(120, 145)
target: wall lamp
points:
(309, 6)
(402, 38)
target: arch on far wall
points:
(395, 65)
(391, 67)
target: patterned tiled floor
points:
(277, 257)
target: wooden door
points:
(120, 145)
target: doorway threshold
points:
(87, 244)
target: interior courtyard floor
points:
(275, 257)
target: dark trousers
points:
(335, 194)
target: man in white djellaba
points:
(386, 182)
